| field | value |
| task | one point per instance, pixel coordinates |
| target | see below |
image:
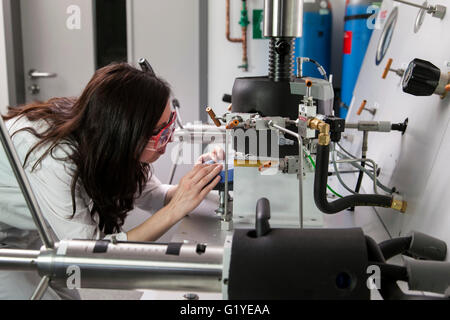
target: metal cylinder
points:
(18, 260)
(127, 266)
(283, 18)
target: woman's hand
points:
(216, 155)
(193, 188)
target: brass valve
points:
(399, 72)
(232, 124)
(323, 128)
(362, 108)
(264, 166)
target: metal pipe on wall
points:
(244, 40)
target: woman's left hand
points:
(216, 155)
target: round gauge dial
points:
(386, 36)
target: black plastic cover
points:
(421, 78)
(299, 264)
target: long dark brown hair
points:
(108, 128)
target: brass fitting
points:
(324, 139)
(265, 165)
(323, 128)
(399, 205)
(232, 124)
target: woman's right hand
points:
(193, 188)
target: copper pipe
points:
(244, 46)
(228, 26)
(243, 40)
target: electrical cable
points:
(320, 68)
(363, 163)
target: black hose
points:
(393, 247)
(392, 272)
(389, 288)
(320, 190)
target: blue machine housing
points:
(357, 37)
(316, 40)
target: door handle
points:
(33, 74)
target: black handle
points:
(262, 217)
(227, 98)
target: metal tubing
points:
(41, 288)
(375, 168)
(130, 266)
(18, 260)
(24, 185)
(226, 216)
(413, 4)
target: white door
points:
(58, 46)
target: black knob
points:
(227, 98)
(262, 224)
(421, 78)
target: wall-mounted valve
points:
(399, 72)
(363, 107)
(422, 78)
(437, 11)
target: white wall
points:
(4, 98)
(224, 57)
(167, 34)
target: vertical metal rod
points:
(300, 164)
(41, 288)
(300, 178)
(226, 177)
(25, 186)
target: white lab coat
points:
(51, 183)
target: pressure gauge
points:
(386, 36)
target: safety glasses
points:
(159, 142)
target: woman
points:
(88, 162)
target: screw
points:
(191, 296)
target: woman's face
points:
(149, 156)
